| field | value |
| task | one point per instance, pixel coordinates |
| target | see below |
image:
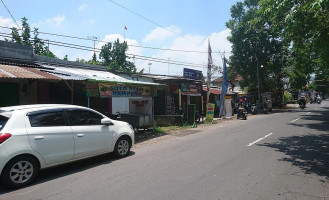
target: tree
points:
(39, 47)
(38, 44)
(15, 36)
(231, 76)
(26, 32)
(305, 26)
(114, 56)
(94, 58)
(254, 43)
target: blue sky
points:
(191, 23)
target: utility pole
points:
(94, 38)
(168, 65)
(48, 45)
(150, 68)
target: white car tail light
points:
(4, 137)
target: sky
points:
(172, 24)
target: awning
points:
(11, 71)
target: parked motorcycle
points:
(242, 113)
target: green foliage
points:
(231, 76)
(15, 36)
(80, 60)
(39, 47)
(94, 58)
(290, 38)
(114, 56)
(38, 44)
(167, 129)
(159, 130)
(254, 44)
(65, 57)
(287, 98)
(26, 32)
(305, 26)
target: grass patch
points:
(167, 129)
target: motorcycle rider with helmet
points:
(302, 100)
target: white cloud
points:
(159, 34)
(55, 21)
(111, 38)
(6, 22)
(59, 19)
(82, 7)
(218, 42)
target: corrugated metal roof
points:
(69, 73)
(11, 71)
(66, 73)
(62, 74)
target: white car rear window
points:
(4, 117)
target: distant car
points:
(34, 137)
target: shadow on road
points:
(318, 120)
(308, 152)
(68, 169)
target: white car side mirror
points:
(106, 121)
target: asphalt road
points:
(275, 156)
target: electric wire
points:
(91, 49)
(149, 20)
(11, 14)
(138, 46)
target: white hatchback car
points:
(34, 137)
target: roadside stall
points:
(130, 102)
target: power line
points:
(10, 14)
(80, 47)
(85, 48)
(138, 46)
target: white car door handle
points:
(80, 135)
(38, 137)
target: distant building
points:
(233, 88)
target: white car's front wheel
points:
(122, 147)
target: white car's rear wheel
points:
(20, 171)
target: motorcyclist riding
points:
(302, 100)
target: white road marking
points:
(308, 113)
(315, 108)
(294, 120)
(259, 140)
(323, 105)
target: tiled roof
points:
(219, 80)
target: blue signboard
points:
(192, 74)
